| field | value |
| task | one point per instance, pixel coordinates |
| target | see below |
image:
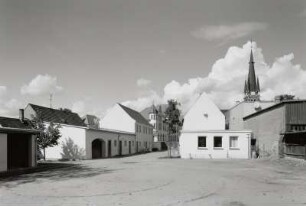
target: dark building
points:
(17, 144)
(272, 126)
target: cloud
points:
(224, 84)
(143, 82)
(225, 33)
(40, 85)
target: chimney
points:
(21, 115)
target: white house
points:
(204, 136)
(92, 141)
(122, 118)
(17, 144)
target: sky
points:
(92, 54)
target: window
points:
(115, 143)
(218, 141)
(125, 143)
(234, 142)
(201, 141)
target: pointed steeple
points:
(246, 89)
(252, 76)
(251, 86)
(258, 86)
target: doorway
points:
(130, 147)
(120, 148)
(109, 148)
(18, 151)
(97, 149)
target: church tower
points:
(251, 85)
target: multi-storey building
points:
(156, 117)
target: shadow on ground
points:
(50, 171)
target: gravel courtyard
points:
(152, 179)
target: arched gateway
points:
(98, 149)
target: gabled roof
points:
(11, 125)
(135, 115)
(58, 116)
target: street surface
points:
(152, 179)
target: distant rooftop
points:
(62, 116)
(135, 115)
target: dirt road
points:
(151, 179)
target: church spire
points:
(252, 83)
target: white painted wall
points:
(117, 119)
(114, 137)
(204, 115)
(77, 134)
(189, 145)
(3, 152)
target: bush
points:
(71, 151)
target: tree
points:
(173, 115)
(71, 150)
(48, 136)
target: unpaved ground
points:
(150, 179)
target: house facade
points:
(122, 118)
(92, 142)
(17, 144)
(156, 117)
(204, 136)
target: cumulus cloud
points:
(226, 33)
(224, 84)
(41, 84)
(143, 82)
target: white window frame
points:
(237, 139)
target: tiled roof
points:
(145, 113)
(58, 116)
(135, 115)
(14, 123)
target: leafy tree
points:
(71, 150)
(48, 136)
(173, 115)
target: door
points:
(130, 148)
(18, 151)
(109, 148)
(96, 148)
(120, 148)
